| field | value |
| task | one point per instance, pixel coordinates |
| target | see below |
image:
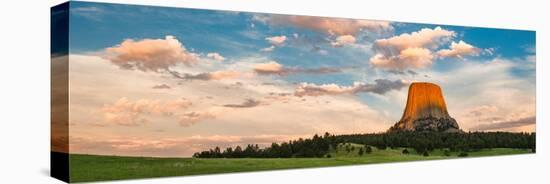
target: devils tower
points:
(425, 111)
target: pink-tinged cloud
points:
(191, 118)
(166, 146)
(279, 97)
(125, 112)
(274, 68)
(408, 58)
(483, 110)
(150, 54)
(337, 26)
(276, 40)
(216, 75)
(271, 67)
(215, 56)
(343, 40)
(409, 50)
(459, 50)
(381, 86)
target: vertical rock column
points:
(426, 110)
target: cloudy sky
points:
(157, 81)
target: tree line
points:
(421, 142)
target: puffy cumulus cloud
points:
(276, 40)
(271, 67)
(381, 86)
(150, 54)
(132, 113)
(459, 50)
(409, 50)
(506, 124)
(215, 56)
(408, 58)
(246, 104)
(338, 26)
(343, 40)
(426, 37)
(161, 86)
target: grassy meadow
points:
(86, 168)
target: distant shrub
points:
(426, 153)
(381, 147)
(405, 151)
(329, 156)
(463, 154)
(447, 153)
(368, 149)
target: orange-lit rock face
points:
(425, 110)
(424, 100)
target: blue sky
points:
(301, 69)
(95, 26)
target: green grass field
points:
(96, 168)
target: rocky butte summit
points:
(425, 111)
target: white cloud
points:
(409, 50)
(216, 56)
(424, 38)
(459, 50)
(268, 49)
